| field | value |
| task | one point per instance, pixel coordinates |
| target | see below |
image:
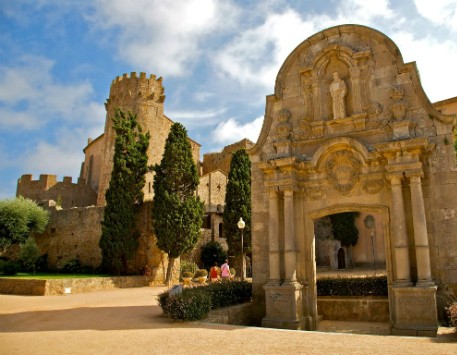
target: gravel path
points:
(128, 321)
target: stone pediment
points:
(347, 81)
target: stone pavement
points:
(129, 321)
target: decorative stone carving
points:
(398, 108)
(284, 127)
(303, 129)
(373, 186)
(342, 169)
(338, 90)
(316, 193)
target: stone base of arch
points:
(413, 312)
(283, 307)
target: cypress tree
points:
(119, 238)
(238, 203)
(176, 212)
(344, 228)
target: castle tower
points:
(145, 97)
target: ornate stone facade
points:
(371, 143)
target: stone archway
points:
(310, 161)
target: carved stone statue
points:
(338, 91)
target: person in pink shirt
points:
(225, 271)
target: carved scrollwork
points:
(398, 108)
(342, 169)
(316, 193)
(284, 127)
(373, 186)
(303, 129)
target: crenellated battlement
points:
(48, 188)
(127, 88)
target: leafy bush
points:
(9, 268)
(360, 286)
(195, 303)
(189, 266)
(74, 266)
(201, 273)
(212, 252)
(187, 274)
(29, 254)
(232, 271)
(451, 312)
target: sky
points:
(218, 59)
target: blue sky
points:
(218, 59)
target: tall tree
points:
(119, 238)
(176, 213)
(19, 217)
(238, 203)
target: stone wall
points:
(211, 190)
(31, 287)
(221, 160)
(64, 192)
(75, 234)
(355, 309)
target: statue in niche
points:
(338, 90)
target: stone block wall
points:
(214, 161)
(75, 234)
(64, 192)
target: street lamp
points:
(241, 226)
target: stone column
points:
(424, 277)
(400, 238)
(273, 237)
(290, 249)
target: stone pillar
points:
(424, 277)
(402, 270)
(290, 249)
(273, 237)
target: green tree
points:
(29, 254)
(19, 217)
(344, 228)
(212, 252)
(238, 203)
(119, 239)
(176, 212)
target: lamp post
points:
(241, 224)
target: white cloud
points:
(232, 131)
(439, 12)
(197, 118)
(163, 36)
(435, 59)
(30, 97)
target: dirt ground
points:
(129, 321)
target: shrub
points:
(189, 266)
(9, 268)
(187, 274)
(360, 286)
(232, 271)
(195, 303)
(188, 305)
(212, 252)
(201, 273)
(452, 314)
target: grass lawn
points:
(47, 276)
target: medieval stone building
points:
(349, 128)
(77, 209)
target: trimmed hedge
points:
(195, 303)
(354, 286)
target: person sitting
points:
(214, 273)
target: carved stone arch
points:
(336, 144)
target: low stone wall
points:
(363, 309)
(31, 287)
(240, 314)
